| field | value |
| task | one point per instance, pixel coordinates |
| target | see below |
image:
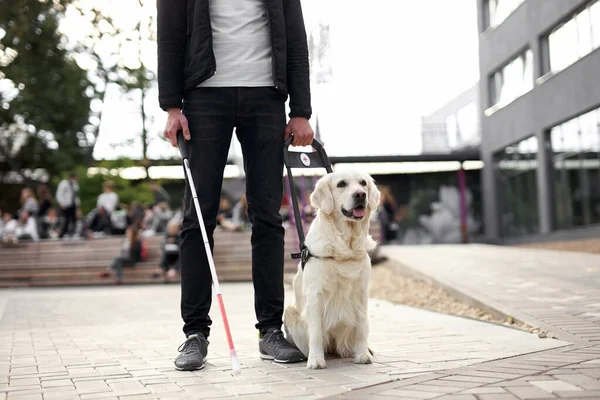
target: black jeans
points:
(258, 116)
(70, 220)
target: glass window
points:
(512, 81)
(575, 38)
(576, 174)
(595, 23)
(499, 10)
(516, 173)
(452, 131)
(468, 124)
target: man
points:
(67, 196)
(225, 64)
(108, 199)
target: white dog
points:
(329, 315)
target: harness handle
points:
(299, 159)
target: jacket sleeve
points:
(171, 41)
(297, 60)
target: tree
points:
(113, 54)
(319, 49)
(44, 102)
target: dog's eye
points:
(341, 184)
(363, 183)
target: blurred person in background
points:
(98, 222)
(161, 217)
(119, 219)
(160, 194)
(239, 214)
(137, 214)
(24, 228)
(130, 254)
(49, 224)
(45, 198)
(28, 202)
(108, 199)
(169, 260)
(387, 216)
(67, 197)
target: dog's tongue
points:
(358, 212)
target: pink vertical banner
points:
(462, 190)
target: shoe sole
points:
(271, 358)
(190, 369)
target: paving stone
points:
(472, 379)
(555, 386)
(17, 396)
(413, 394)
(58, 382)
(506, 396)
(92, 387)
(593, 394)
(24, 381)
(484, 390)
(458, 397)
(206, 391)
(527, 393)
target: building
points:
(453, 126)
(540, 116)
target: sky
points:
(393, 61)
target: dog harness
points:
(304, 255)
(293, 159)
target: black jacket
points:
(186, 58)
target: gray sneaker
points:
(274, 346)
(192, 353)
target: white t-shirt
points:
(241, 44)
(108, 200)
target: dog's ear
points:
(321, 197)
(374, 195)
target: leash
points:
(298, 159)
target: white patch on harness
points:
(305, 159)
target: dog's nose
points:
(360, 195)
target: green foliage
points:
(43, 118)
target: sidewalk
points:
(120, 342)
(557, 291)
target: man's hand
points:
(175, 122)
(301, 130)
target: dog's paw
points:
(315, 363)
(363, 359)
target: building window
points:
(516, 174)
(498, 10)
(576, 173)
(452, 131)
(511, 82)
(468, 125)
(575, 38)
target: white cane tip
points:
(236, 368)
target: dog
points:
(329, 311)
